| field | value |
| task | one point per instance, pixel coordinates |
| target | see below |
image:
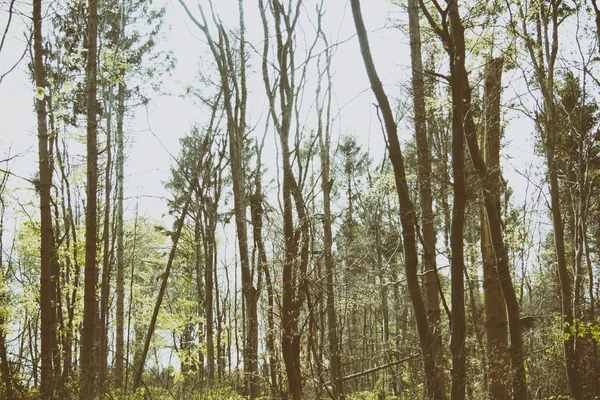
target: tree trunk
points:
(543, 53)
(120, 291)
(326, 185)
(407, 210)
(208, 300)
(235, 98)
(425, 178)
(296, 238)
(141, 360)
(72, 248)
(199, 241)
(102, 350)
(47, 236)
(256, 211)
(496, 323)
(5, 367)
(88, 342)
(462, 97)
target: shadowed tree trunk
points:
(141, 359)
(47, 236)
(495, 309)
(282, 99)
(256, 211)
(543, 51)
(326, 185)
(5, 367)
(451, 32)
(425, 176)
(88, 342)
(120, 290)
(407, 210)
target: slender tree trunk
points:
(72, 246)
(296, 238)
(256, 211)
(199, 241)
(595, 366)
(235, 98)
(120, 291)
(5, 367)
(457, 263)
(326, 186)
(45, 184)
(88, 340)
(496, 323)
(102, 350)
(407, 210)
(208, 301)
(425, 178)
(141, 361)
(543, 51)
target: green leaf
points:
(40, 93)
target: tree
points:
(543, 52)
(88, 335)
(407, 210)
(324, 134)
(231, 63)
(282, 95)
(451, 33)
(425, 177)
(5, 367)
(47, 280)
(495, 309)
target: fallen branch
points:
(378, 368)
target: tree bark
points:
(407, 210)
(102, 350)
(543, 52)
(496, 323)
(425, 178)
(326, 186)
(208, 299)
(47, 236)
(5, 366)
(452, 35)
(88, 340)
(296, 238)
(141, 361)
(256, 211)
(120, 290)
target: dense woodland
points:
(300, 259)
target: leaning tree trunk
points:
(407, 210)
